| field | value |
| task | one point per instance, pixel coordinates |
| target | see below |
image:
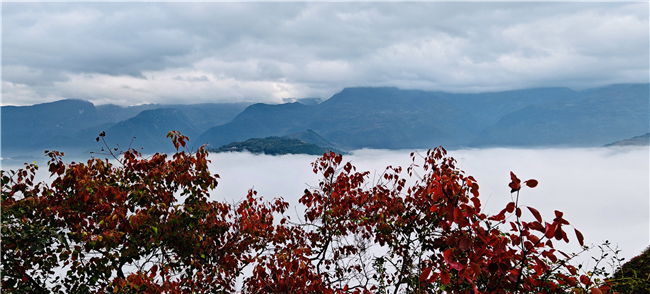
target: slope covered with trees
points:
(274, 146)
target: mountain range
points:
(362, 117)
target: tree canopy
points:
(148, 225)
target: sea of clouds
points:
(603, 192)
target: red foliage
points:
(149, 226)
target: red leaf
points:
(550, 230)
(536, 226)
(456, 265)
(510, 207)
(425, 274)
(533, 238)
(571, 281)
(433, 278)
(465, 244)
(535, 213)
(558, 232)
(477, 203)
(515, 185)
(531, 183)
(514, 178)
(444, 278)
(585, 280)
(549, 243)
(572, 269)
(580, 237)
(596, 291)
(558, 214)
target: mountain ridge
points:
(357, 117)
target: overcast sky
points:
(133, 53)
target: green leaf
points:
(64, 240)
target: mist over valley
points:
(603, 192)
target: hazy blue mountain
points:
(71, 125)
(488, 108)
(405, 119)
(259, 121)
(110, 113)
(30, 128)
(643, 140)
(207, 115)
(203, 115)
(385, 118)
(150, 129)
(600, 116)
(357, 118)
(393, 119)
(312, 137)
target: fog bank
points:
(603, 192)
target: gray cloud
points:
(267, 51)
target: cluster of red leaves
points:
(145, 226)
(149, 226)
(436, 237)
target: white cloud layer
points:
(133, 53)
(603, 192)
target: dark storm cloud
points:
(266, 51)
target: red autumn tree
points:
(147, 225)
(435, 237)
